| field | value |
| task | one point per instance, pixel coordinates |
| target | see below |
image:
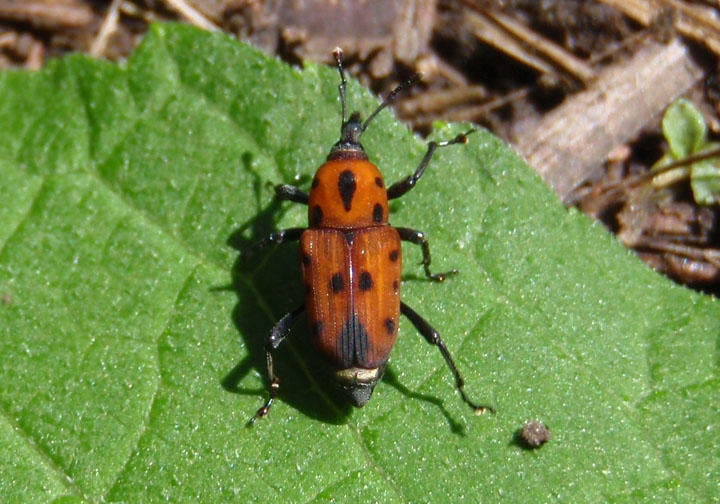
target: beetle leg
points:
(291, 193)
(418, 238)
(402, 186)
(277, 335)
(278, 237)
(433, 337)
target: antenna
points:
(352, 128)
(339, 59)
(391, 98)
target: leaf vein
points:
(58, 471)
(25, 216)
(143, 428)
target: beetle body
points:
(351, 264)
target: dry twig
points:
(47, 15)
(570, 142)
(193, 15)
(107, 28)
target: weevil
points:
(351, 262)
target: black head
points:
(349, 142)
(353, 128)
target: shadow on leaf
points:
(267, 285)
(391, 379)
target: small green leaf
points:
(686, 132)
(705, 182)
(684, 128)
(132, 335)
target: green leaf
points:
(684, 128)
(686, 132)
(705, 178)
(705, 182)
(132, 335)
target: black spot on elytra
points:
(378, 212)
(349, 237)
(315, 183)
(396, 286)
(390, 326)
(337, 284)
(347, 186)
(316, 216)
(378, 182)
(306, 260)
(365, 281)
(316, 328)
(394, 254)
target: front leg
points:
(401, 187)
(277, 335)
(418, 238)
(291, 193)
(433, 337)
